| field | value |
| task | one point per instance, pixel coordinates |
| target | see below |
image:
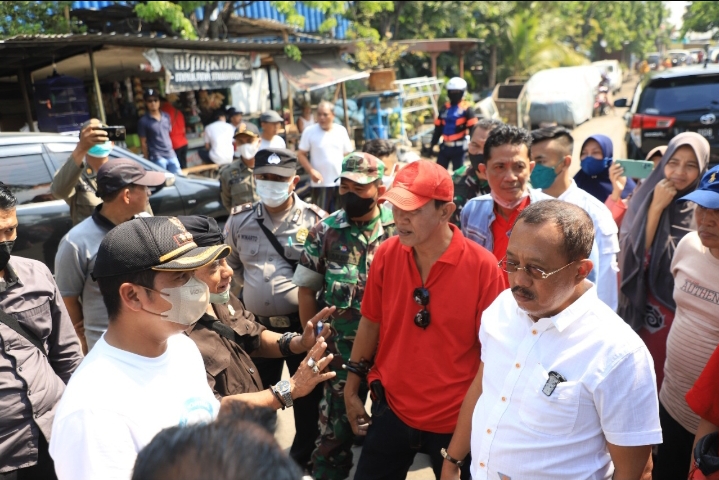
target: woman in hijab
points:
(651, 229)
(597, 156)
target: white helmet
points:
(456, 83)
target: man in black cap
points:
(234, 116)
(271, 123)
(154, 129)
(142, 376)
(237, 186)
(122, 187)
(267, 239)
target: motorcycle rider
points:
(453, 123)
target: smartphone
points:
(636, 168)
(114, 134)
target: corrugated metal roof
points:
(259, 10)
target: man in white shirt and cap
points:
(565, 388)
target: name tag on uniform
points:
(302, 235)
(249, 238)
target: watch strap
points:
(450, 459)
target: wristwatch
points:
(446, 456)
(282, 389)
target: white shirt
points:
(610, 394)
(116, 402)
(606, 237)
(220, 136)
(276, 142)
(326, 149)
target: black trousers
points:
(391, 445)
(674, 454)
(306, 409)
(181, 153)
(44, 469)
(453, 155)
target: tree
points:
(701, 17)
(29, 18)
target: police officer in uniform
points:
(237, 185)
(267, 239)
(454, 121)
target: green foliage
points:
(172, 13)
(374, 54)
(701, 17)
(293, 52)
(29, 18)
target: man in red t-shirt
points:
(703, 398)
(177, 134)
(422, 305)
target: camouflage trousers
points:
(332, 459)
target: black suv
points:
(670, 102)
(28, 162)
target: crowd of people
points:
(511, 320)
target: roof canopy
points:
(317, 71)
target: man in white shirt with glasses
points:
(565, 390)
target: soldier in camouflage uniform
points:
(467, 181)
(237, 184)
(336, 260)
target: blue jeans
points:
(391, 444)
(172, 165)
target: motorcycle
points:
(601, 102)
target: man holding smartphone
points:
(76, 181)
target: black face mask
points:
(5, 250)
(455, 96)
(356, 206)
(475, 160)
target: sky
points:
(677, 10)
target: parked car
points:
(28, 162)
(614, 71)
(563, 96)
(654, 59)
(713, 55)
(670, 102)
(680, 57)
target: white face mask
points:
(509, 205)
(189, 302)
(272, 194)
(248, 151)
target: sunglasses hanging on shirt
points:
(421, 297)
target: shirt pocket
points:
(555, 414)
(341, 285)
(38, 320)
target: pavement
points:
(613, 126)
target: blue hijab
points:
(599, 185)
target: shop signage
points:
(187, 70)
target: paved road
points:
(613, 126)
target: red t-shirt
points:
(426, 372)
(177, 120)
(500, 229)
(703, 397)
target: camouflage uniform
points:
(237, 185)
(466, 186)
(335, 262)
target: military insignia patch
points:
(273, 159)
(302, 234)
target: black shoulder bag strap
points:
(12, 322)
(221, 329)
(276, 244)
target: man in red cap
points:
(420, 336)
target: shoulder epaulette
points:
(241, 208)
(320, 213)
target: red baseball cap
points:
(418, 183)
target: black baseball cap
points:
(270, 116)
(205, 231)
(278, 161)
(152, 243)
(151, 92)
(247, 128)
(121, 172)
(232, 111)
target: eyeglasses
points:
(421, 297)
(534, 272)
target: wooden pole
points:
(26, 99)
(433, 57)
(279, 86)
(291, 103)
(96, 83)
(344, 104)
(461, 63)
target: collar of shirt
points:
(568, 191)
(569, 315)
(11, 279)
(101, 220)
(453, 253)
